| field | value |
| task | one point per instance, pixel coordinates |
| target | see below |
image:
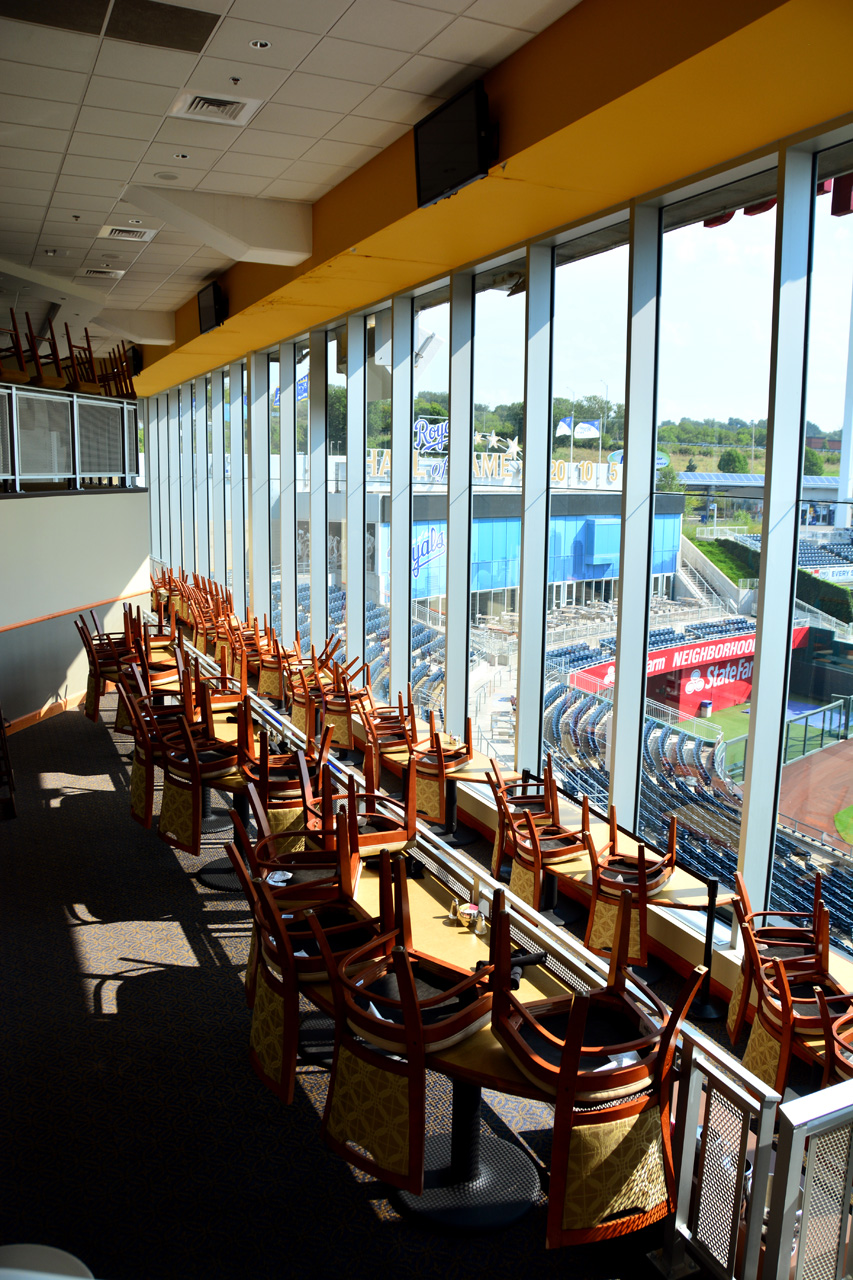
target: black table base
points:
(211, 822)
(471, 1179)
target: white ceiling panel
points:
(260, 166)
(22, 160)
(372, 133)
(287, 47)
(59, 240)
(433, 76)
(73, 184)
(94, 167)
(353, 61)
(317, 16)
(144, 97)
(82, 204)
(316, 171)
(217, 75)
(105, 147)
(446, 6)
(63, 231)
(40, 184)
(146, 174)
(324, 93)
(397, 105)
(238, 184)
(286, 189)
(10, 209)
(177, 241)
(298, 120)
(262, 142)
(35, 111)
(41, 82)
(534, 15)
(40, 46)
(16, 224)
(197, 133)
(390, 25)
(163, 154)
(485, 43)
(141, 62)
(206, 6)
(352, 155)
(32, 138)
(119, 124)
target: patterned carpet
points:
(136, 1135)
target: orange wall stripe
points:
(78, 608)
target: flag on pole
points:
(564, 426)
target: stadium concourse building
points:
(269, 149)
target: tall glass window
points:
(226, 419)
(713, 378)
(303, 498)
(815, 816)
(430, 443)
(336, 483)
(498, 449)
(377, 526)
(275, 491)
(584, 527)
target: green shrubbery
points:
(830, 597)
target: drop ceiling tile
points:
(105, 147)
(215, 75)
(31, 138)
(16, 224)
(262, 142)
(350, 154)
(433, 75)
(124, 214)
(352, 61)
(197, 133)
(119, 124)
(33, 111)
(252, 166)
(81, 203)
(389, 24)
(287, 47)
(22, 159)
(46, 47)
(318, 16)
(51, 239)
(165, 26)
(373, 133)
(316, 171)
(446, 6)
(324, 93)
(484, 43)
(141, 62)
(298, 120)
(62, 229)
(18, 241)
(238, 184)
(41, 82)
(163, 155)
(285, 189)
(532, 15)
(157, 254)
(397, 105)
(209, 6)
(75, 185)
(94, 167)
(39, 185)
(185, 181)
(177, 241)
(9, 209)
(143, 97)
(210, 258)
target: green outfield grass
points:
(844, 824)
(734, 722)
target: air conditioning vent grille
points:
(214, 109)
(139, 235)
(101, 273)
(119, 233)
(226, 108)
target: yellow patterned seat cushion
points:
(429, 797)
(604, 927)
(734, 1003)
(370, 1108)
(762, 1053)
(615, 1169)
(268, 1028)
(522, 882)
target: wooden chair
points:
(538, 849)
(49, 373)
(80, 372)
(189, 765)
(434, 766)
(837, 1038)
(536, 796)
(105, 666)
(342, 702)
(13, 366)
(768, 1049)
(613, 871)
(788, 941)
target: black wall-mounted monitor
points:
(453, 145)
(212, 307)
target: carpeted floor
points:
(135, 1134)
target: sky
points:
(716, 296)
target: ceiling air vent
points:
(139, 234)
(214, 109)
(102, 274)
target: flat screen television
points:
(453, 145)
(212, 307)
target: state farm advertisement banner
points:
(718, 671)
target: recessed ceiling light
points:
(50, 253)
(259, 44)
(167, 177)
(135, 222)
(180, 155)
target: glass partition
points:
(377, 526)
(303, 498)
(430, 444)
(336, 482)
(275, 491)
(498, 448)
(226, 419)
